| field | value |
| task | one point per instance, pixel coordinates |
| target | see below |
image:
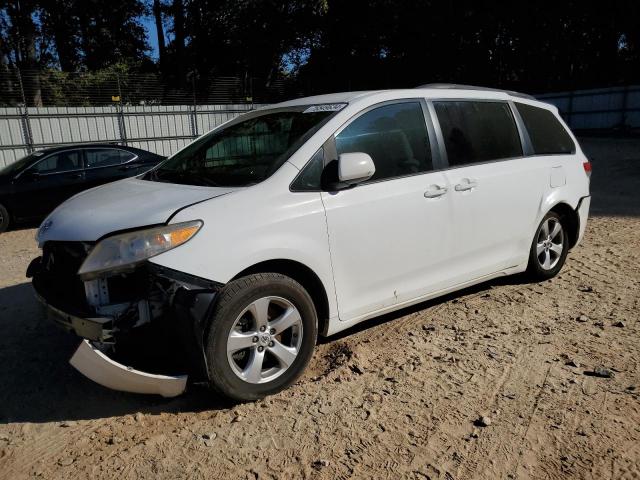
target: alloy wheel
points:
(265, 339)
(549, 244)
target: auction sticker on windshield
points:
(327, 107)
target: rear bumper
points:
(95, 365)
(583, 214)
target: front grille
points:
(58, 280)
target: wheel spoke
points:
(545, 229)
(539, 248)
(240, 341)
(556, 248)
(555, 231)
(285, 355)
(260, 312)
(253, 371)
(546, 264)
(288, 319)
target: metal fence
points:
(47, 108)
(162, 129)
(600, 109)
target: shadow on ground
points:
(37, 384)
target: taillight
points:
(587, 168)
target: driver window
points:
(395, 136)
(60, 162)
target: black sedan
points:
(33, 186)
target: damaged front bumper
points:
(119, 310)
(95, 365)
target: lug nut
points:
(260, 348)
(263, 328)
(271, 344)
(272, 331)
(255, 339)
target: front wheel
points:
(549, 248)
(261, 336)
(4, 218)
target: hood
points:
(126, 204)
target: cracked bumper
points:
(95, 365)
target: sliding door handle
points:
(435, 191)
(466, 184)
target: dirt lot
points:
(394, 398)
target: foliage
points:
(327, 45)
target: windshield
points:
(245, 152)
(18, 165)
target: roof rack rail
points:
(457, 86)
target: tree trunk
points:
(178, 28)
(21, 15)
(157, 13)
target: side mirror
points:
(354, 168)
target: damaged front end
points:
(140, 313)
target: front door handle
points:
(435, 191)
(466, 184)
(75, 175)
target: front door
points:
(48, 183)
(389, 237)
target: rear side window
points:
(395, 136)
(105, 157)
(477, 131)
(547, 134)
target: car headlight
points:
(127, 249)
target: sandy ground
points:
(396, 397)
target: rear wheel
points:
(261, 337)
(549, 248)
(4, 218)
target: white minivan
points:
(303, 219)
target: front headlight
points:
(127, 249)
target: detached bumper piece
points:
(99, 329)
(95, 365)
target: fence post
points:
(120, 110)
(570, 109)
(625, 106)
(24, 120)
(194, 113)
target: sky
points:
(150, 26)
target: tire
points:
(549, 248)
(4, 219)
(246, 363)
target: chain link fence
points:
(53, 88)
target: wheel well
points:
(572, 221)
(304, 276)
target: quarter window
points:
(60, 162)
(477, 131)
(395, 136)
(309, 179)
(106, 157)
(547, 134)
